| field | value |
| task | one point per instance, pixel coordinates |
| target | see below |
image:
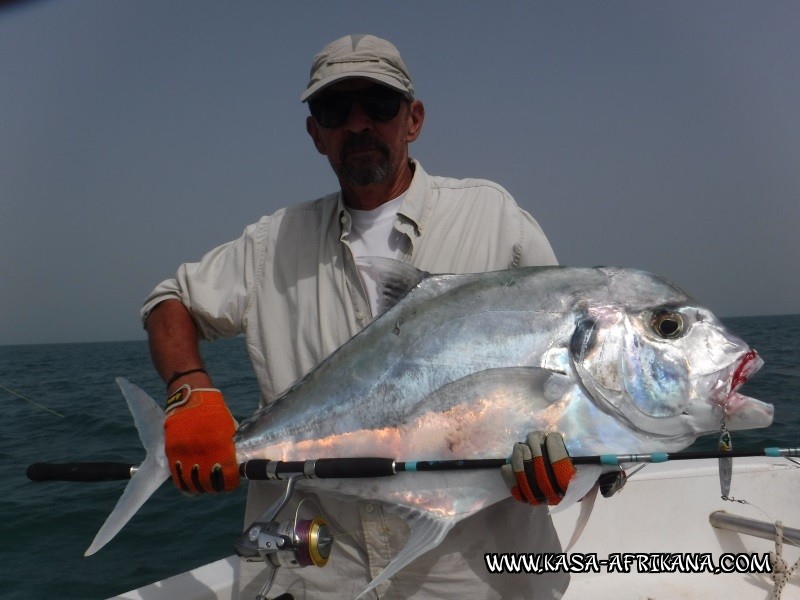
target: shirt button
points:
(360, 316)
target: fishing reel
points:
(295, 543)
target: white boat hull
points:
(663, 509)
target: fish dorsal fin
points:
(394, 278)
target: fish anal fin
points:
(583, 486)
(427, 532)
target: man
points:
(291, 285)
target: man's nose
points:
(358, 120)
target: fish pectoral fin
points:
(427, 532)
(528, 388)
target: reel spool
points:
(308, 542)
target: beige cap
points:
(362, 56)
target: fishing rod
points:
(258, 469)
(302, 542)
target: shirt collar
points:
(415, 209)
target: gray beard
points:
(359, 175)
(365, 172)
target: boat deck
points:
(662, 511)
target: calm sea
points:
(45, 527)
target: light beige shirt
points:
(291, 286)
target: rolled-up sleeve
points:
(214, 290)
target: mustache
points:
(364, 141)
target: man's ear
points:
(313, 130)
(416, 117)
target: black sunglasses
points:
(378, 102)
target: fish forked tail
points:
(154, 470)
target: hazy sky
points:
(136, 135)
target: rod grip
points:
(81, 471)
(354, 467)
(257, 469)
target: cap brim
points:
(386, 80)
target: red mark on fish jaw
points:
(750, 363)
(748, 366)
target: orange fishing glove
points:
(198, 442)
(540, 469)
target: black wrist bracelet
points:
(177, 375)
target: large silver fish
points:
(461, 366)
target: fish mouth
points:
(744, 412)
(733, 377)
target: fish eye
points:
(668, 324)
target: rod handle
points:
(258, 469)
(79, 471)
